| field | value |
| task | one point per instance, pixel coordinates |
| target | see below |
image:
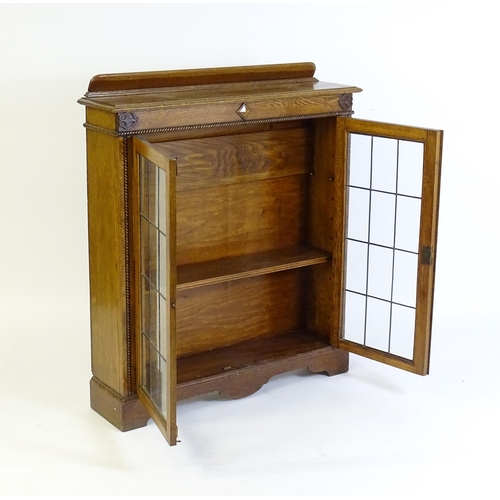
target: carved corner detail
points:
(345, 101)
(126, 121)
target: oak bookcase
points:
(242, 224)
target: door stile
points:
(171, 430)
(339, 227)
(427, 244)
(156, 267)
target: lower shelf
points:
(241, 370)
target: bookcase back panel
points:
(224, 314)
(240, 219)
(237, 158)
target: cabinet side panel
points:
(321, 216)
(105, 178)
(100, 118)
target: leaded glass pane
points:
(382, 242)
(154, 309)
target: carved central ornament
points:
(243, 111)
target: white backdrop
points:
(372, 431)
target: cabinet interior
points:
(253, 245)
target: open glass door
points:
(157, 274)
(387, 190)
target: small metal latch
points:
(426, 255)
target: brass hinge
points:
(426, 255)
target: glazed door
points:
(157, 276)
(387, 190)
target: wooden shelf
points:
(242, 369)
(247, 266)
